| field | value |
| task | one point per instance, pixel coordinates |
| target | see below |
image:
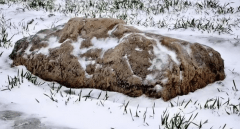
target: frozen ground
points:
(25, 103)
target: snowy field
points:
(215, 23)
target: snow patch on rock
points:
(135, 76)
(150, 78)
(160, 49)
(188, 49)
(158, 87)
(110, 31)
(52, 43)
(138, 49)
(164, 81)
(76, 47)
(41, 36)
(104, 44)
(126, 58)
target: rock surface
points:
(107, 54)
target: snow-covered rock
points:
(107, 54)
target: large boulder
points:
(107, 54)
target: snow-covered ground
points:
(216, 106)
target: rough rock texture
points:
(109, 55)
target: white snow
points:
(162, 54)
(129, 66)
(110, 31)
(52, 43)
(27, 51)
(105, 44)
(162, 50)
(110, 113)
(76, 47)
(138, 49)
(164, 81)
(158, 87)
(161, 60)
(42, 36)
(137, 77)
(188, 49)
(150, 78)
(84, 62)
